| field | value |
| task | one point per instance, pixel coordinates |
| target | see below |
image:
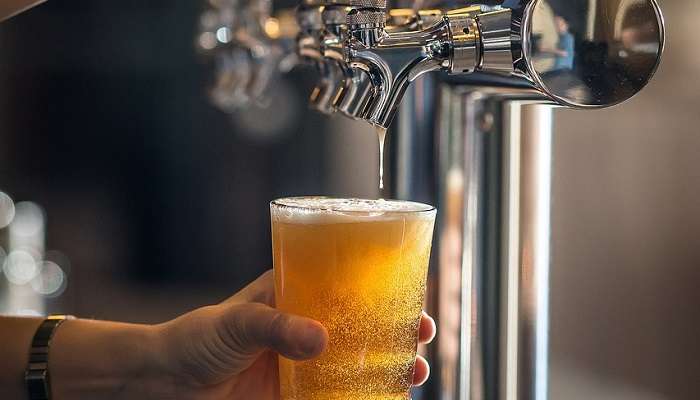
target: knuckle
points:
(278, 327)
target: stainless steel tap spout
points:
(393, 59)
(583, 56)
(590, 56)
(250, 47)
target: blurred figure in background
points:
(564, 53)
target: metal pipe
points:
(489, 279)
(526, 231)
(490, 276)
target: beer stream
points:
(381, 135)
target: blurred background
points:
(127, 196)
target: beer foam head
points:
(315, 210)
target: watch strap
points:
(36, 376)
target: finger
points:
(261, 290)
(421, 371)
(253, 327)
(427, 329)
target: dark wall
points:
(105, 122)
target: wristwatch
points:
(36, 377)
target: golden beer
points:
(359, 267)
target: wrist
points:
(97, 359)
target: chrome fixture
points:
(366, 55)
(323, 41)
(502, 45)
(394, 58)
(321, 34)
(481, 144)
(250, 48)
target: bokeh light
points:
(3, 255)
(20, 267)
(7, 210)
(29, 219)
(50, 281)
(207, 40)
(59, 258)
(272, 28)
(223, 35)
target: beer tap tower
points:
(489, 172)
(476, 140)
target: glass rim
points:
(278, 203)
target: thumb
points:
(253, 327)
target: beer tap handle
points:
(369, 4)
(367, 20)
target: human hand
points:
(230, 350)
(225, 351)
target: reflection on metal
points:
(586, 54)
(489, 280)
(526, 225)
(595, 57)
(557, 53)
(250, 49)
(492, 151)
(395, 59)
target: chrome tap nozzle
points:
(250, 47)
(394, 58)
(524, 47)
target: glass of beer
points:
(359, 267)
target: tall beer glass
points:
(359, 267)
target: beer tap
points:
(394, 58)
(349, 99)
(250, 48)
(483, 142)
(360, 88)
(498, 45)
(340, 88)
(310, 48)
